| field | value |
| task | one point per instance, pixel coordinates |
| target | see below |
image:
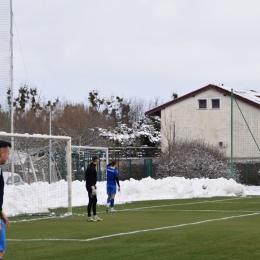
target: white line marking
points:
(133, 209)
(132, 232)
(248, 202)
(175, 204)
(179, 204)
(204, 210)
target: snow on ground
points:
(38, 197)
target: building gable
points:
(250, 97)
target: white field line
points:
(249, 202)
(130, 233)
(203, 210)
(180, 204)
(133, 209)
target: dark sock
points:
(94, 207)
(112, 203)
(89, 210)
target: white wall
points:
(183, 120)
(210, 125)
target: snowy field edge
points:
(41, 196)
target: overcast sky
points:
(143, 48)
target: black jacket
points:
(91, 175)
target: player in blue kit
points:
(112, 181)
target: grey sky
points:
(143, 48)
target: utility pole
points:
(232, 137)
(49, 107)
(50, 144)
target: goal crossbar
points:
(39, 136)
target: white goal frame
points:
(68, 156)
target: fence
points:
(245, 138)
(5, 64)
(131, 162)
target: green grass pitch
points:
(215, 228)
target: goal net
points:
(37, 175)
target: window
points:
(202, 103)
(215, 103)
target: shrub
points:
(192, 159)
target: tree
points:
(79, 122)
(95, 101)
(141, 133)
(114, 108)
(5, 121)
(26, 99)
(30, 112)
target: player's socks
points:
(112, 201)
(108, 201)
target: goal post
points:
(31, 156)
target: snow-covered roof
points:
(249, 96)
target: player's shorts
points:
(111, 189)
(2, 237)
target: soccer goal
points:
(37, 175)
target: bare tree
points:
(138, 106)
(80, 123)
(5, 121)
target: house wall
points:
(183, 120)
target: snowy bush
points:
(141, 133)
(192, 159)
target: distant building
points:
(205, 114)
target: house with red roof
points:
(205, 115)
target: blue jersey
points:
(112, 175)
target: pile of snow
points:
(38, 197)
(252, 190)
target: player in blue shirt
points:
(112, 180)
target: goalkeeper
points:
(91, 180)
(112, 180)
(4, 153)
